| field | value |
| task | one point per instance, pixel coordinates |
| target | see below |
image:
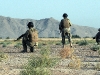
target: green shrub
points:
(18, 45)
(38, 65)
(1, 42)
(44, 60)
(7, 37)
(95, 47)
(5, 43)
(83, 42)
(76, 36)
(2, 56)
(77, 42)
(58, 43)
(35, 71)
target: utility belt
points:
(66, 30)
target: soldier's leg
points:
(24, 46)
(69, 39)
(98, 41)
(31, 49)
(63, 39)
(31, 46)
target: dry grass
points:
(3, 56)
(66, 52)
(75, 63)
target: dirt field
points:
(89, 61)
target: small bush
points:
(39, 65)
(4, 45)
(7, 37)
(83, 42)
(2, 56)
(58, 43)
(66, 52)
(76, 36)
(18, 45)
(77, 42)
(35, 71)
(75, 64)
(95, 48)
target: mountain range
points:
(48, 27)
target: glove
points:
(93, 37)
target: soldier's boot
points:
(70, 44)
(70, 40)
(24, 48)
(63, 41)
(63, 46)
(31, 49)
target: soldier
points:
(30, 37)
(64, 27)
(97, 37)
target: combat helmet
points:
(30, 24)
(65, 15)
(99, 29)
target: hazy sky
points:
(80, 12)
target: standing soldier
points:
(97, 37)
(64, 27)
(30, 37)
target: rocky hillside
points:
(48, 27)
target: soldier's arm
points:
(20, 36)
(69, 22)
(97, 35)
(60, 26)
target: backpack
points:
(65, 23)
(33, 35)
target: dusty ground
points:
(89, 59)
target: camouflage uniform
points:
(27, 40)
(64, 27)
(97, 37)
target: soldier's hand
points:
(93, 37)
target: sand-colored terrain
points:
(88, 60)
